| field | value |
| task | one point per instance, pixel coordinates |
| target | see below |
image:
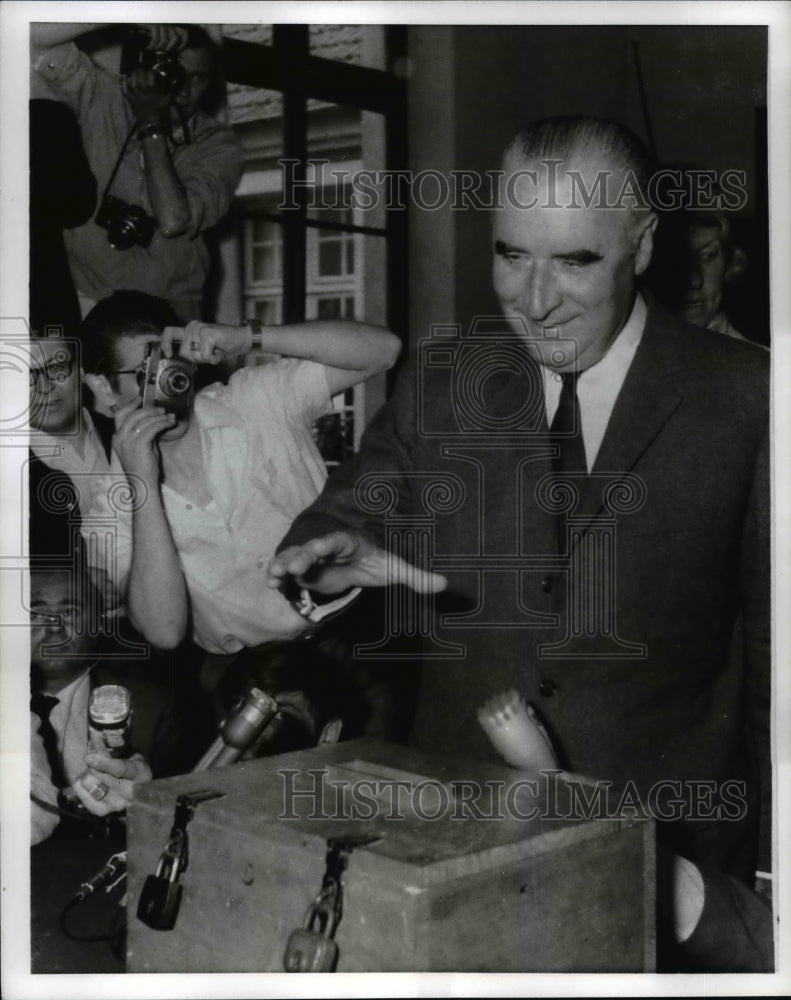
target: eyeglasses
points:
(39, 619)
(57, 370)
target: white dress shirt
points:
(599, 385)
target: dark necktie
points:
(566, 429)
(566, 433)
(42, 705)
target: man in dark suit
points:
(593, 487)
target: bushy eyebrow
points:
(577, 256)
(61, 602)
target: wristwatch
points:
(257, 329)
(306, 605)
(150, 131)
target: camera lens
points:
(168, 73)
(122, 232)
(174, 382)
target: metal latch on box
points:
(159, 902)
(312, 947)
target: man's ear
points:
(100, 387)
(644, 247)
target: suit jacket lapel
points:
(647, 400)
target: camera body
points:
(169, 382)
(168, 72)
(127, 225)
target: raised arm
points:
(48, 36)
(156, 597)
(352, 352)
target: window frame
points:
(288, 66)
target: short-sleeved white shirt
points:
(262, 468)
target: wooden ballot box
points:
(467, 867)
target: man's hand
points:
(108, 784)
(165, 37)
(136, 428)
(332, 564)
(206, 343)
(149, 103)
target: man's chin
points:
(697, 313)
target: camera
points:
(494, 386)
(168, 382)
(168, 72)
(127, 225)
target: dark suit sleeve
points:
(386, 456)
(756, 611)
(734, 932)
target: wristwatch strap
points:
(257, 329)
(150, 131)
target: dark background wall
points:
(471, 87)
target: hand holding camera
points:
(148, 97)
(206, 343)
(134, 441)
(154, 48)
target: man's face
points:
(131, 353)
(60, 618)
(54, 388)
(197, 65)
(566, 269)
(706, 278)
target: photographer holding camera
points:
(221, 479)
(166, 171)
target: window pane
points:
(329, 307)
(346, 161)
(264, 264)
(357, 44)
(329, 258)
(256, 116)
(268, 311)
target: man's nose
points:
(183, 93)
(541, 292)
(695, 275)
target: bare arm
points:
(166, 193)
(48, 36)
(351, 351)
(156, 596)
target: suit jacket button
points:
(547, 584)
(547, 688)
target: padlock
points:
(310, 950)
(159, 902)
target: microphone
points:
(516, 732)
(240, 730)
(115, 865)
(110, 720)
